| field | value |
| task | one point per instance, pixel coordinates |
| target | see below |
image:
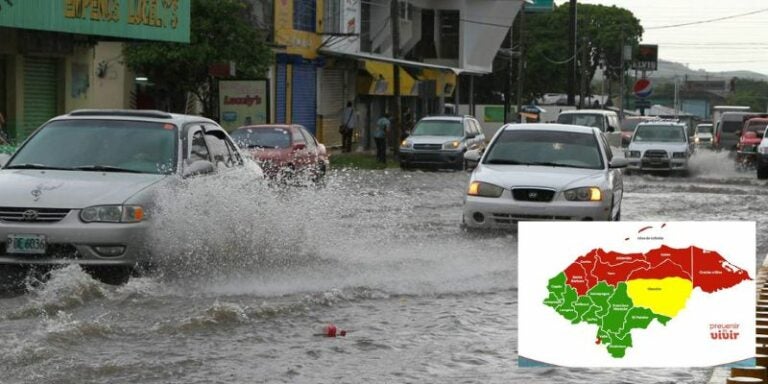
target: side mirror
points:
(611, 128)
(618, 162)
(199, 167)
(471, 135)
(472, 157)
(4, 159)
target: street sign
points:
(647, 58)
(643, 88)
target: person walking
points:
(347, 128)
(380, 136)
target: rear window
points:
(439, 128)
(757, 127)
(584, 119)
(262, 138)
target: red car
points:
(284, 150)
(751, 135)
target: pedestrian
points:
(380, 136)
(347, 127)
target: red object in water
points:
(598, 341)
(330, 330)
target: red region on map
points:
(706, 269)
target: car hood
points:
(558, 178)
(669, 147)
(433, 139)
(704, 135)
(70, 189)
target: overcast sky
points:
(739, 43)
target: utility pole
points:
(621, 81)
(572, 53)
(584, 68)
(508, 83)
(520, 63)
(394, 19)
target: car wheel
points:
(762, 173)
(110, 275)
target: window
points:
(304, 15)
(438, 128)
(311, 144)
(549, 148)
(449, 34)
(198, 150)
(332, 17)
(297, 138)
(219, 151)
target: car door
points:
(312, 155)
(614, 175)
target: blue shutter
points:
(304, 94)
(280, 90)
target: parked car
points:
(728, 129)
(82, 188)
(628, 126)
(440, 141)
(751, 136)
(284, 150)
(703, 136)
(543, 172)
(659, 146)
(762, 157)
(604, 120)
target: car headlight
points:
(112, 214)
(696, 139)
(631, 154)
(478, 188)
(452, 144)
(406, 144)
(584, 194)
(679, 155)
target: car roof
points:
(134, 114)
(266, 126)
(662, 122)
(550, 127)
(447, 117)
(590, 111)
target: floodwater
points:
(251, 276)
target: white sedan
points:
(543, 172)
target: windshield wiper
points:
(104, 168)
(550, 164)
(36, 166)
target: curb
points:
(721, 374)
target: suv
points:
(703, 135)
(728, 129)
(628, 126)
(605, 121)
(440, 141)
(82, 188)
(659, 146)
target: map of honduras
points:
(620, 292)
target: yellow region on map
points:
(662, 296)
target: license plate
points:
(26, 244)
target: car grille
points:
(428, 147)
(656, 154)
(66, 251)
(32, 215)
(507, 218)
(533, 194)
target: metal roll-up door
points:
(280, 92)
(331, 102)
(303, 90)
(40, 93)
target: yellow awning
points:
(445, 81)
(382, 81)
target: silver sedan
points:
(543, 172)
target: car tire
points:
(762, 173)
(110, 275)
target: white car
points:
(762, 158)
(659, 146)
(81, 189)
(703, 135)
(543, 172)
(440, 141)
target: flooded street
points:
(251, 276)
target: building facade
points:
(69, 56)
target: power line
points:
(709, 20)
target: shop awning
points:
(382, 80)
(445, 81)
(405, 63)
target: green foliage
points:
(219, 33)
(749, 92)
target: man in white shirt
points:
(347, 129)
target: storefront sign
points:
(166, 20)
(243, 102)
(296, 42)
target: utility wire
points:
(709, 20)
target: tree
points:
(219, 32)
(749, 92)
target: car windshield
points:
(704, 129)
(585, 119)
(757, 127)
(439, 128)
(101, 145)
(659, 133)
(547, 148)
(262, 137)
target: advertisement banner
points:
(243, 102)
(167, 20)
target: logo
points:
(29, 215)
(643, 88)
(532, 195)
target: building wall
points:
(109, 82)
